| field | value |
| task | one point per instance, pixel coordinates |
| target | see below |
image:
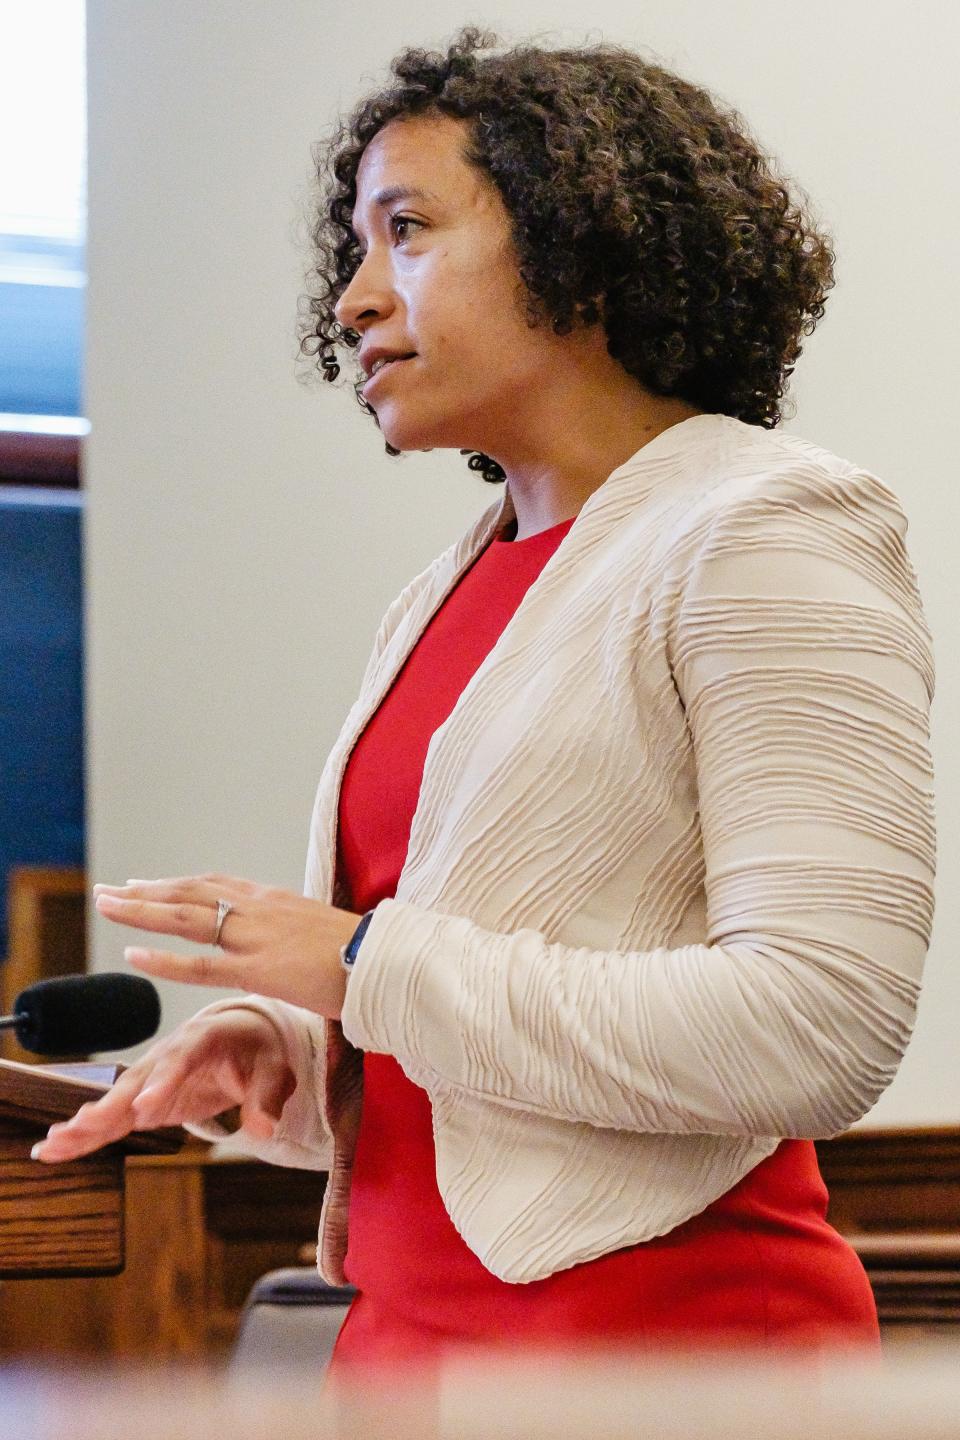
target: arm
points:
(801, 658)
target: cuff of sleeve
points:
(300, 1135)
(397, 996)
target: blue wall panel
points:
(41, 683)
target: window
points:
(42, 239)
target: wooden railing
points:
(895, 1195)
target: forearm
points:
(742, 1039)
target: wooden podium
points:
(65, 1219)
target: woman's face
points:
(439, 282)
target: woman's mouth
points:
(385, 368)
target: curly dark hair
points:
(636, 199)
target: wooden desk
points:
(67, 1220)
(199, 1232)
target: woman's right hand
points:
(210, 1064)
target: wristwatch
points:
(348, 952)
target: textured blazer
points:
(669, 885)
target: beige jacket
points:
(669, 885)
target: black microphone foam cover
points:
(82, 1013)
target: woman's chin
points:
(412, 437)
(401, 436)
(406, 431)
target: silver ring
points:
(223, 910)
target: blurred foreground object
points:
(507, 1396)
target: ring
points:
(223, 910)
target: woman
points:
(620, 873)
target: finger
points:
(191, 922)
(187, 1089)
(97, 1123)
(191, 885)
(154, 1104)
(101, 1121)
(256, 1122)
(177, 887)
(187, 883)
(202, 969)
(263, 1106)
(179, 1093)
(260, 1116)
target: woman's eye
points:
(398, 221)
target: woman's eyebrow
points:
(401, 192)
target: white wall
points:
(245, 532)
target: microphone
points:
(80, 1013)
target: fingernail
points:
(131, 952)
(35, 1152)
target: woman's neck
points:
(570, 424)
(549, 489)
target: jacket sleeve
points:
(803, 664)
(302, 1139)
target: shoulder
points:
(778, 486)
(777, 521)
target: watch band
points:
(348, 952)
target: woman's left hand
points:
(273, 942)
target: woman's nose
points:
(366, 298)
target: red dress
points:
(760, 1266)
